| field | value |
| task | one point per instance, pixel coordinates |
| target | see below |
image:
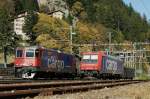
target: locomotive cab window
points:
(94, 58)
(90, 59)
(86, 58)
(19, 53)
(30, 53)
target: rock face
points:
(134, 91)
(53, 5)
(55, 8)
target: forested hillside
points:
(115, 16)
(95, 18)
(126, 23)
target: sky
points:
(141, 6)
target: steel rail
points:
(60, 90)
(22, 86)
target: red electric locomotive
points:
(35, 61)
(100, 65)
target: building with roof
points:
(18, 26)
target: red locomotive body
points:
(35, 61)
(98, 64)
(91, 63)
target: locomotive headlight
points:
(24, 64)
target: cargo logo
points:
(111, 66)
(54, 63)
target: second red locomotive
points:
(100, 65)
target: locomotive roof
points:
(103, 53)
(30, 47)
(40, 47)
(93, 52)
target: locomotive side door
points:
(38, 53)
(44, 59)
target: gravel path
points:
(133, 91)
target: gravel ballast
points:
(133, 91)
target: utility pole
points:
(71, 39)
(140, 60)
(93, 45)
(134, 58)
(72, 27)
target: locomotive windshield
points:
(19, 53)
(90, 59)
(30, 53)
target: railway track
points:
(20, 80)
(51, 88)
(14, 81)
